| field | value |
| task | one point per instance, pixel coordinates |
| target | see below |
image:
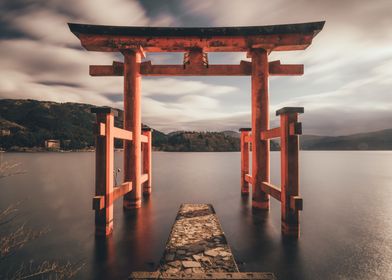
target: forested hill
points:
(28, 123)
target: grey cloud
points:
(345, 89)
(59, 83)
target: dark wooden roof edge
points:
(87, 29)
(289, 110)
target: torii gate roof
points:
(211, 39)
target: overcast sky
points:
(346, 87)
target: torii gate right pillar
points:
(260, 122)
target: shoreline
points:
(32, 151)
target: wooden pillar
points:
(132, 122)
(244, 160)
(147, 148)
(260, 122)
(104, 157)
(289, 170)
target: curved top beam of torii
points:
(196, 42)
(284, 37)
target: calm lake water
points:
(346, 225)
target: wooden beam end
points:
(98, 202)
(296, 203)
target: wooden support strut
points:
(104, 172)
(270, 133)
(243, 69)
(117, 132)
(147, 162)
(244, 160)
(291, 203)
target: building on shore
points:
(52, 144)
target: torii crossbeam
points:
(257, 41)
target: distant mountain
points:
(231, 133)
(378, 140)
(28, 123)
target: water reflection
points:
(346, 226)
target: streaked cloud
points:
(345, 89)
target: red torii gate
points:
(258, 42)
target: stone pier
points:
(197, 249)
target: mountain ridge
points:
(28, 123)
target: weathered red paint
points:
(289, 174)
(244, 161)
(147, 147)
(242, 69)
(260, 122)
(103, 176)
(277, 42)
(132, 122)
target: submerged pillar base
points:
(262, 205)
(290, 230)
(147, 191)
(133, 204)
(245, 191)
(104, 230)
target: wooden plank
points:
(277, 69)
(243, 69)
(116, 69)
(122, 134)
(102, 70)
(270, 133)
(119, 191)
(244, 162)
(147, 162)
(144, 178)
(248, 178)
(144, 139)
(272, 190)
(248, 139)
(296, 203)
(117, 132)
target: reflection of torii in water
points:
(258, 42)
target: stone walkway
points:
(197, 250)
(197, 243)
